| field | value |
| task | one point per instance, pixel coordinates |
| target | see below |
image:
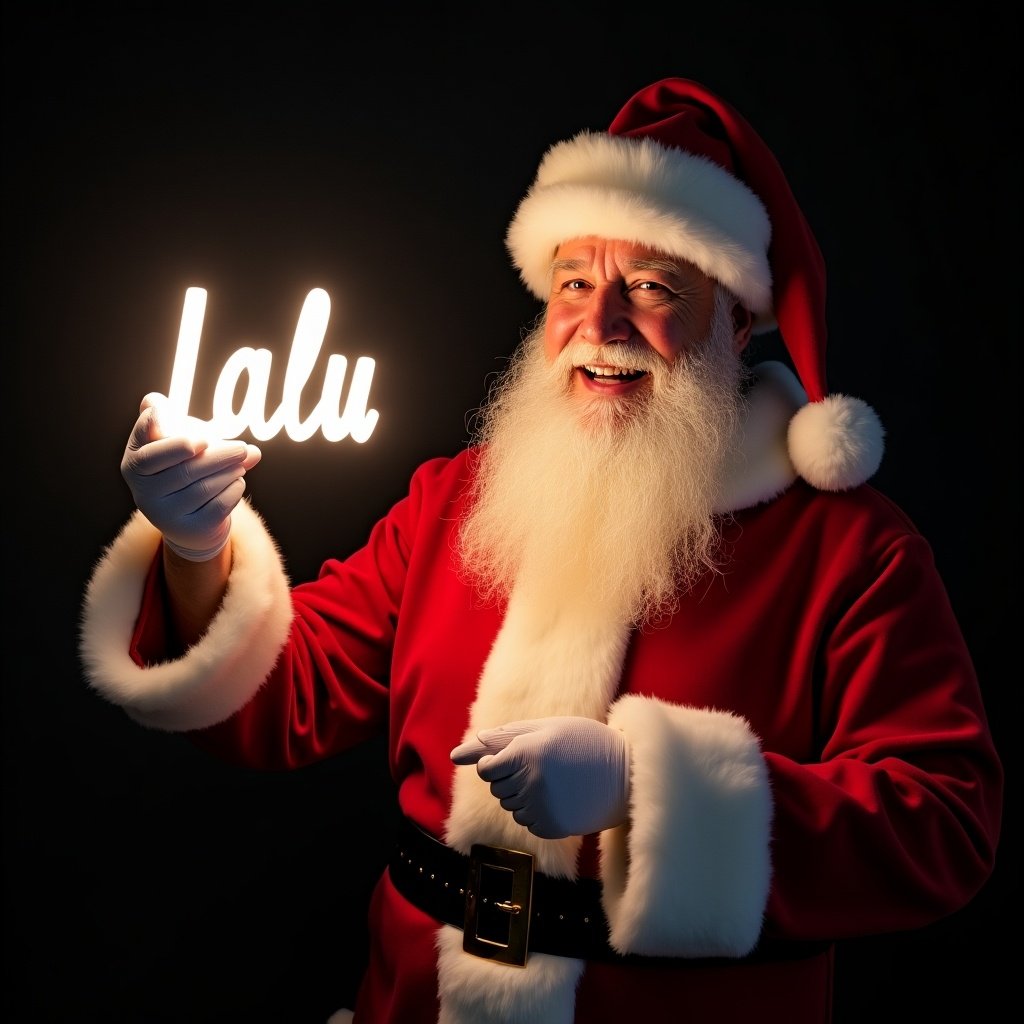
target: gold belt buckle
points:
(499, 893)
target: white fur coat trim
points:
(689, 874)
(760, 468)
(475, 991)
(220, 673)
(548, 659)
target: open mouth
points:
(612, 374)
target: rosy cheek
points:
(668, 345)
(668, 352)
(556, 337)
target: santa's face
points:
(603, 493)
(617, 300)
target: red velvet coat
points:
(811, 754)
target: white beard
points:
(606, 502)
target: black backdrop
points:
(263, 150)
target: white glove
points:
(560, 776)
(185, 482)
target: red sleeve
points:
(149, 642)
(330, 687)
(898, 823)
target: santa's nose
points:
(606, 318)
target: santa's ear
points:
(742, 326)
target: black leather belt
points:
(506, 909)
(502, 904)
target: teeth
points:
(610, 371)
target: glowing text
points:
(356, 421)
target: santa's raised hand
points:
(184, 481)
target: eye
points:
(650, 291)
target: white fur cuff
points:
(689, 874)
(220, 673)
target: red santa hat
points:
(681, 170)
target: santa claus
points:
(675, 699)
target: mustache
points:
(621, 355)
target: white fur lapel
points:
(545, 661)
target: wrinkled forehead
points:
(593, 253)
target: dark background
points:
(263, 150)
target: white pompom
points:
(837, 443)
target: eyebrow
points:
(562, 265)
(665, 266)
